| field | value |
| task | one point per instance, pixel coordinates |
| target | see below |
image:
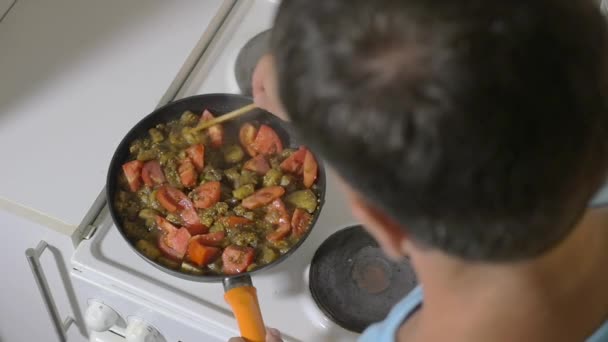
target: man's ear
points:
(389, 234)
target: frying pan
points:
(239, 290)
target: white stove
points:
(123, 296)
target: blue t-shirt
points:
(386, 331)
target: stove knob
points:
(100, 317)
(140, 331)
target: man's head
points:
(477, 127)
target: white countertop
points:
(75, 77)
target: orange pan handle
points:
(241, 295)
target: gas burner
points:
(248, 58)
(353, 282)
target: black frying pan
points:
(239, 291)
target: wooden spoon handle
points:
(225, 117)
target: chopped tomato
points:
(262, 197)
(236, 259)
(216, 132)
(164, 225)
(211, 239)
(187, 173)
(152, 174)
(168, 251)
(300, 222)
(310, 169)
(207, 195)
(197, 154)
(257, 164)
(175, 243)
(247, 135)
(295, 162)
(172, 199)
(267, 141)
(132, 172)
(192, 222)
(233, 222)
(200, 254)
(277, 214)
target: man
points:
(471, 136)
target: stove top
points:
(283, 293)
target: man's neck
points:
(561, 296)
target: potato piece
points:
(305, 199)
(211, 174)
(240, 211)
(148, 249)
(156, 135)
(243, 191)
(189, 268)
(188, 118)
(232, 174)
(268, 255)
(247, 177)
(168, 263)
(145, 155)
(272, 177)
(233, 154)
(149, 215)
(175, 219)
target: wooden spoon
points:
(228, 116)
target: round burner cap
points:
(353, 282)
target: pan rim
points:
(128, 138)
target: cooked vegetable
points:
(187, 173)
(211, 239)
(236, 222)
(272, 178)
(300, 222)
(247, 136)
(277, 215)
(148, 249)
(294, 162)
(304, 199)
(188, 118)
(247, 177)
(243, 191)
(233, 154)
(207, 195)
(257, 164)
(310, 169)
(211, 174)
(200, 254)
(263, 196)
(237, 259)
(196, 153)
(267, 141)
(216, 133)
(168, 262)
(268, 255)
(187, 195)
(189, 268)
(152, 174)
(232, 174)
(156, 135)
(132, 171)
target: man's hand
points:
(272, 335)
(265, 87)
